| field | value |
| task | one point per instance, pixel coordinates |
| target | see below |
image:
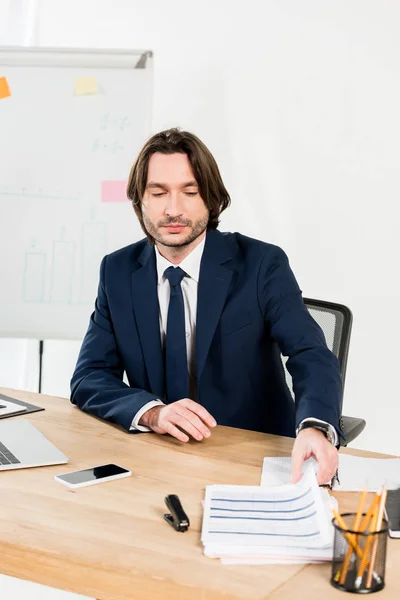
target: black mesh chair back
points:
(335, 321)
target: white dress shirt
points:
(189, 285)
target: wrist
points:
(325, 428)
(311, 431)
(150, 417)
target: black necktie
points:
(176, 366)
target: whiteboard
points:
(69, 131)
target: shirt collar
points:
(191, 264)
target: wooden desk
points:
(110, 541)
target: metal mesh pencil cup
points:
(359, 558)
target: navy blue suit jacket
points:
(249, 310)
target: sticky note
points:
(113, 191)
(85, 85)
(4, 88)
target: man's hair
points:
(204, 167)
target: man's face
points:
(173, 211)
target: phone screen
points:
(393, 509)
(92, 474)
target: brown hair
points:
(204, 166)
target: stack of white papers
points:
(283, 524)
(355, 473)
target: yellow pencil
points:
(349, 537)
(364, 558)
(356, 526)
(376, 540)
(370, 512)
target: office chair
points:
(335, 321)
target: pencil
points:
(364, 558)
(376, 540)
(370, 512)
(349, 537)
(356, 526)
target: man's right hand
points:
(179, 417)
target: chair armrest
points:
(352, 427)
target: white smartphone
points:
(91, 476)
(392, 509)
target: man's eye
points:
(191, 193)
(158, 195)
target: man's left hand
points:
(312, 443)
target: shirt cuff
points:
(332, 431)
(135, 423)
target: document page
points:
(287, 516)
(355, 473)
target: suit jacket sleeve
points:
(96, 385)
(314, 368)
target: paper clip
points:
(178, 519)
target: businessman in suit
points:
(198, 319)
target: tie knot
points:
(174, 275)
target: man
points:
(198, 318)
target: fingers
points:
(192, 425)
(176, 433)
(199, 410)
(327, 463)
(193, 419)
(327, 458)
(184, 417)
(297, 463)
(311, 442)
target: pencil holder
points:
(359, 558)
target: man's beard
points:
(197, 229)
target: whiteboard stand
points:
(41, 344)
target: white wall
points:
(298, 101)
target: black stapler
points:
(177, 517)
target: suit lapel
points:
(214, 283)
(146, 311)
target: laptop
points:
(22, 446)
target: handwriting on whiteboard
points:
(109, 121)
(111, 130)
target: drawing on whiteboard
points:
(34, 277)
(93, 249)
(62, 272)
(111, 127)
(112, 147)
(67, 264)
(112, 122)
(27, 192)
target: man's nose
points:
(174, 205)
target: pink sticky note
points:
(113, 191)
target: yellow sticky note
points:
(85, 85)
(4, 88)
